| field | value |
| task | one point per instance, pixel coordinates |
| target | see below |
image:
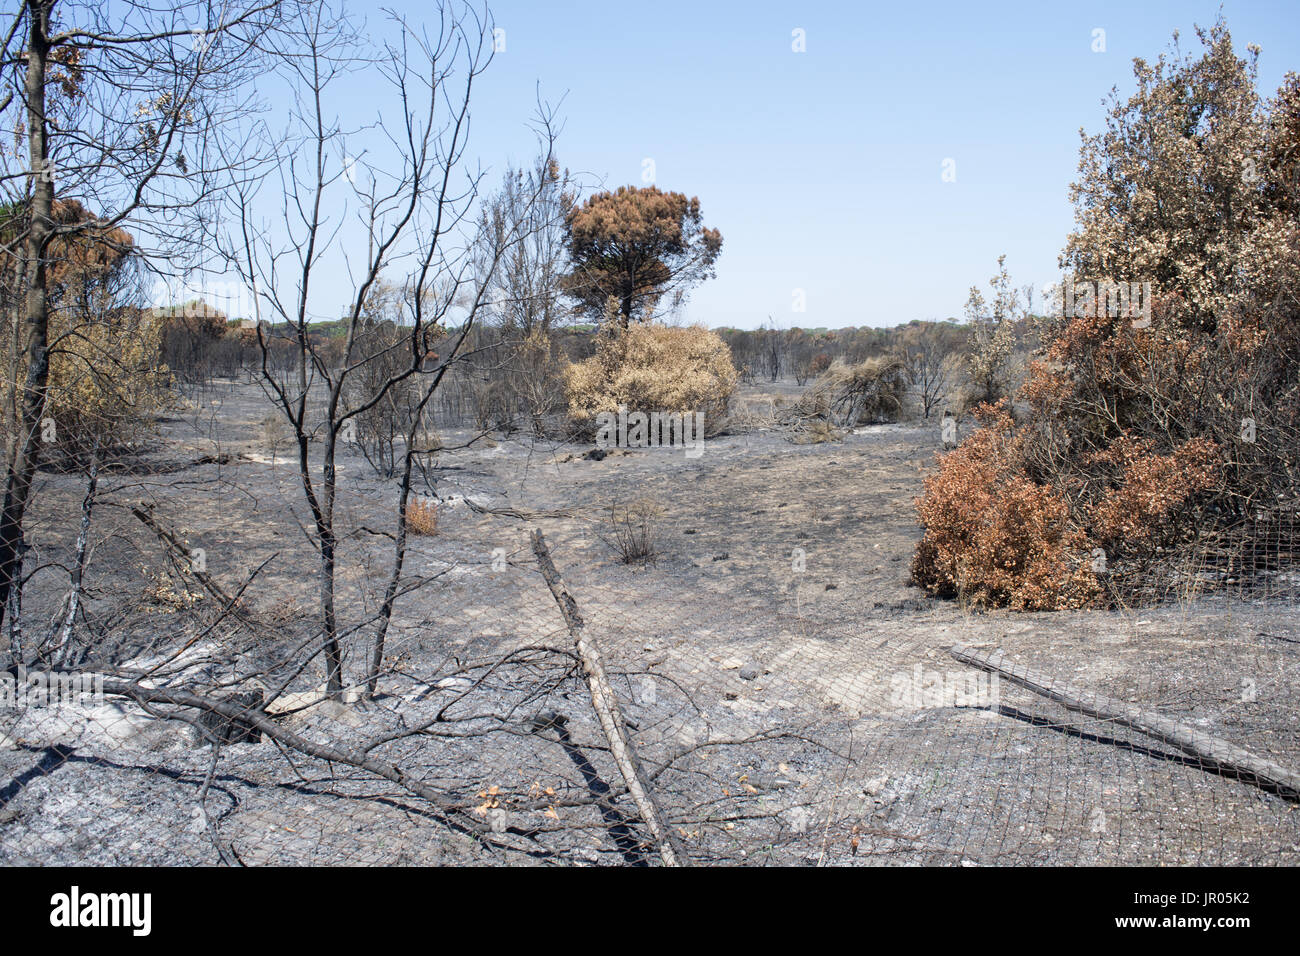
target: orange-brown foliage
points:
(1151, 490)
(422, 517)
(632, 244)
(996, 537)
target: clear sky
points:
(823, 168)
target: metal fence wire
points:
(540, 702)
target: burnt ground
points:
(763, 656)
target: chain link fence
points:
(743, 719)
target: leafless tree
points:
(931, 363)
(524, 286)
(412, 204)
(521, 375)
(124, 106)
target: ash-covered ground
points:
(790, 694)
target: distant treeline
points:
(200, 342)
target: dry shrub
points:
(275, 433)
(381, 355)
(653, 368)
(867, 393)
(493, 404)
(106, 384)
(1170, 447)
(162, 591)
(283, 610)
(106, 380)
(816, 432)
(995, 537)
(422, 517)
(752, 413)
(536, 379)
(633, 531)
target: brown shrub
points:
(994, 536)
(1151, 490)
(998, 534)
(422, 517)
(653, 368)
(1172, 443)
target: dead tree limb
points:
(261, 721)
(607, 710)
(182, 550)
(64, 646)
(459, 813)
(1212, 752)
(522, 514)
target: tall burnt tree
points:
(636, 246)
(414, 228)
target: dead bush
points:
(492, 403)
(871, 391)
(422, 517)
(816, 431)
(381, 359)
(845, 395)
(633, 531)
(653, 368)
(536, 380)
(275, 434)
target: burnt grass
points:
(770, 636)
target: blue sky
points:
(823, 168)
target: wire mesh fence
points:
(742, 677)
(763, 729)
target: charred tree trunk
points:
(22, 465)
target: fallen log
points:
(609, 713)
(1213, 753)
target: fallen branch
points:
(609, 713)
(259, 720)
(521, 514)
(182, 550)
(1212, 752)
(459, 813)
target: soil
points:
(772, 659)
